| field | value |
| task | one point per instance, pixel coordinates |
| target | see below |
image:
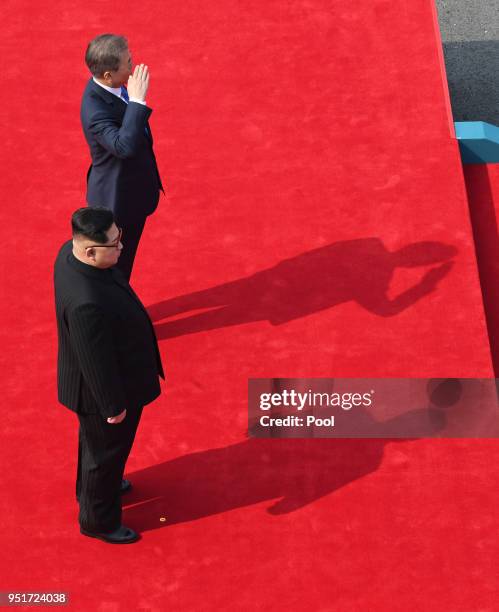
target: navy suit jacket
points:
(124, 176)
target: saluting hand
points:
(117, 419)
(138, 82)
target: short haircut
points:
(92, 223)
(104, 53)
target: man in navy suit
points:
(124, 176)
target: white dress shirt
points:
(117, 92)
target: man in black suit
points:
(108, 366)
(124, 176)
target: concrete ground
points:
(470, 35)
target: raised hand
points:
(436, 274)
(138, 82)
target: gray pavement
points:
(470, 36)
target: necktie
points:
(124, 94)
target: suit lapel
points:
(119, 105)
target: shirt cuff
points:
(139, 101)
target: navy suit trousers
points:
(132, 231)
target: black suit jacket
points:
(124, 176)
(108, 356)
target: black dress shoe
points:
(122, 535)
(126, 485)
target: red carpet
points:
(280, 128)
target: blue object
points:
(478, 142)
(124, 93)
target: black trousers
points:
(103, 450)
(132, 231)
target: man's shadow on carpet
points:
(287, 473)
(358, 270)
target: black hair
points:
(104, 53)
(92, 223)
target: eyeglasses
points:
(115, 244)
